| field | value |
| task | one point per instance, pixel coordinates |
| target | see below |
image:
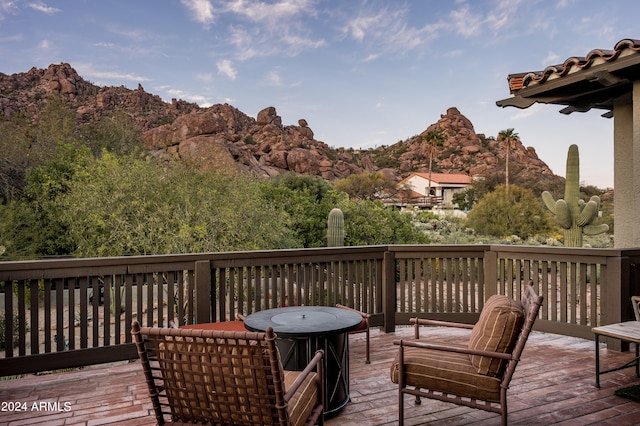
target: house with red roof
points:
(432, 190)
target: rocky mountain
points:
(222, 136)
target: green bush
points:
(507, 212)
(16, 328)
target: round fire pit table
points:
(301, 330)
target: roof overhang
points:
(580, 84)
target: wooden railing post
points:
(202, 291)
(614, 286)
(389, 291)
(490, 273)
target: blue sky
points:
(362, 73)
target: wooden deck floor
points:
(554, 384)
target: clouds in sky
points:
(202, 11)
(225, 68)
(41, 7)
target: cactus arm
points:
(588, 213)
(549, 201)
(563, 214)
(595, 229)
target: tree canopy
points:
(510, 211)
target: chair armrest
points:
(458, 349)
(363, 314)
(315, 362)
(422, 321)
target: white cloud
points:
(527, 113)
(273, 13)
(503, 16)
(466, 22)
(41, 7)
(88, 71)
(7, 7)
(278, 28)
(274, 79)
(225, 68)
(201, 9)
(181, 94)
(388, 30)
(551, 59)
(44, 45)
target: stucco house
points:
(443, 186)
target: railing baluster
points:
(106, 309)
(59, 300)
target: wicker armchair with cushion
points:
(476, 374)
(226, 377)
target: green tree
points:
(129, 205)
(435, 139)
(31, 225)
(366, 186)
(370, 222)
(508, 138)
(307, 201)
(516, 211)
(116, 133)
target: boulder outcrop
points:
(223, 137)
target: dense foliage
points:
(93, 191)
(508, 211)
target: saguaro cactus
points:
(335, 228)
(574, 216)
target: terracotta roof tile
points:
(572, 64)
(445, 177)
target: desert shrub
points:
(15, 326)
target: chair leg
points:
(400, 408)
(367, 351)
(503, 406)
(418, 401)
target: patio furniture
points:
(220, 326)
(302, 330)
(628, 331)
(477, 374)
(635, 301)
(226, 377)
(363, 327)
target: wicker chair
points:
(362, 328)
(226, 377)
(635, 301)
(477, 374)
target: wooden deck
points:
(554, 384)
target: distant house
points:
(415, 189)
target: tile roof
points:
(443, 178)
(580, 83)
(572, 64)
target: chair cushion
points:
(497, 330)
(304, 400)
(447, 372)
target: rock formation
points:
(465, 151)
(223, 137)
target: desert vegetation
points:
(95, 191)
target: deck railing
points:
(73, 312)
